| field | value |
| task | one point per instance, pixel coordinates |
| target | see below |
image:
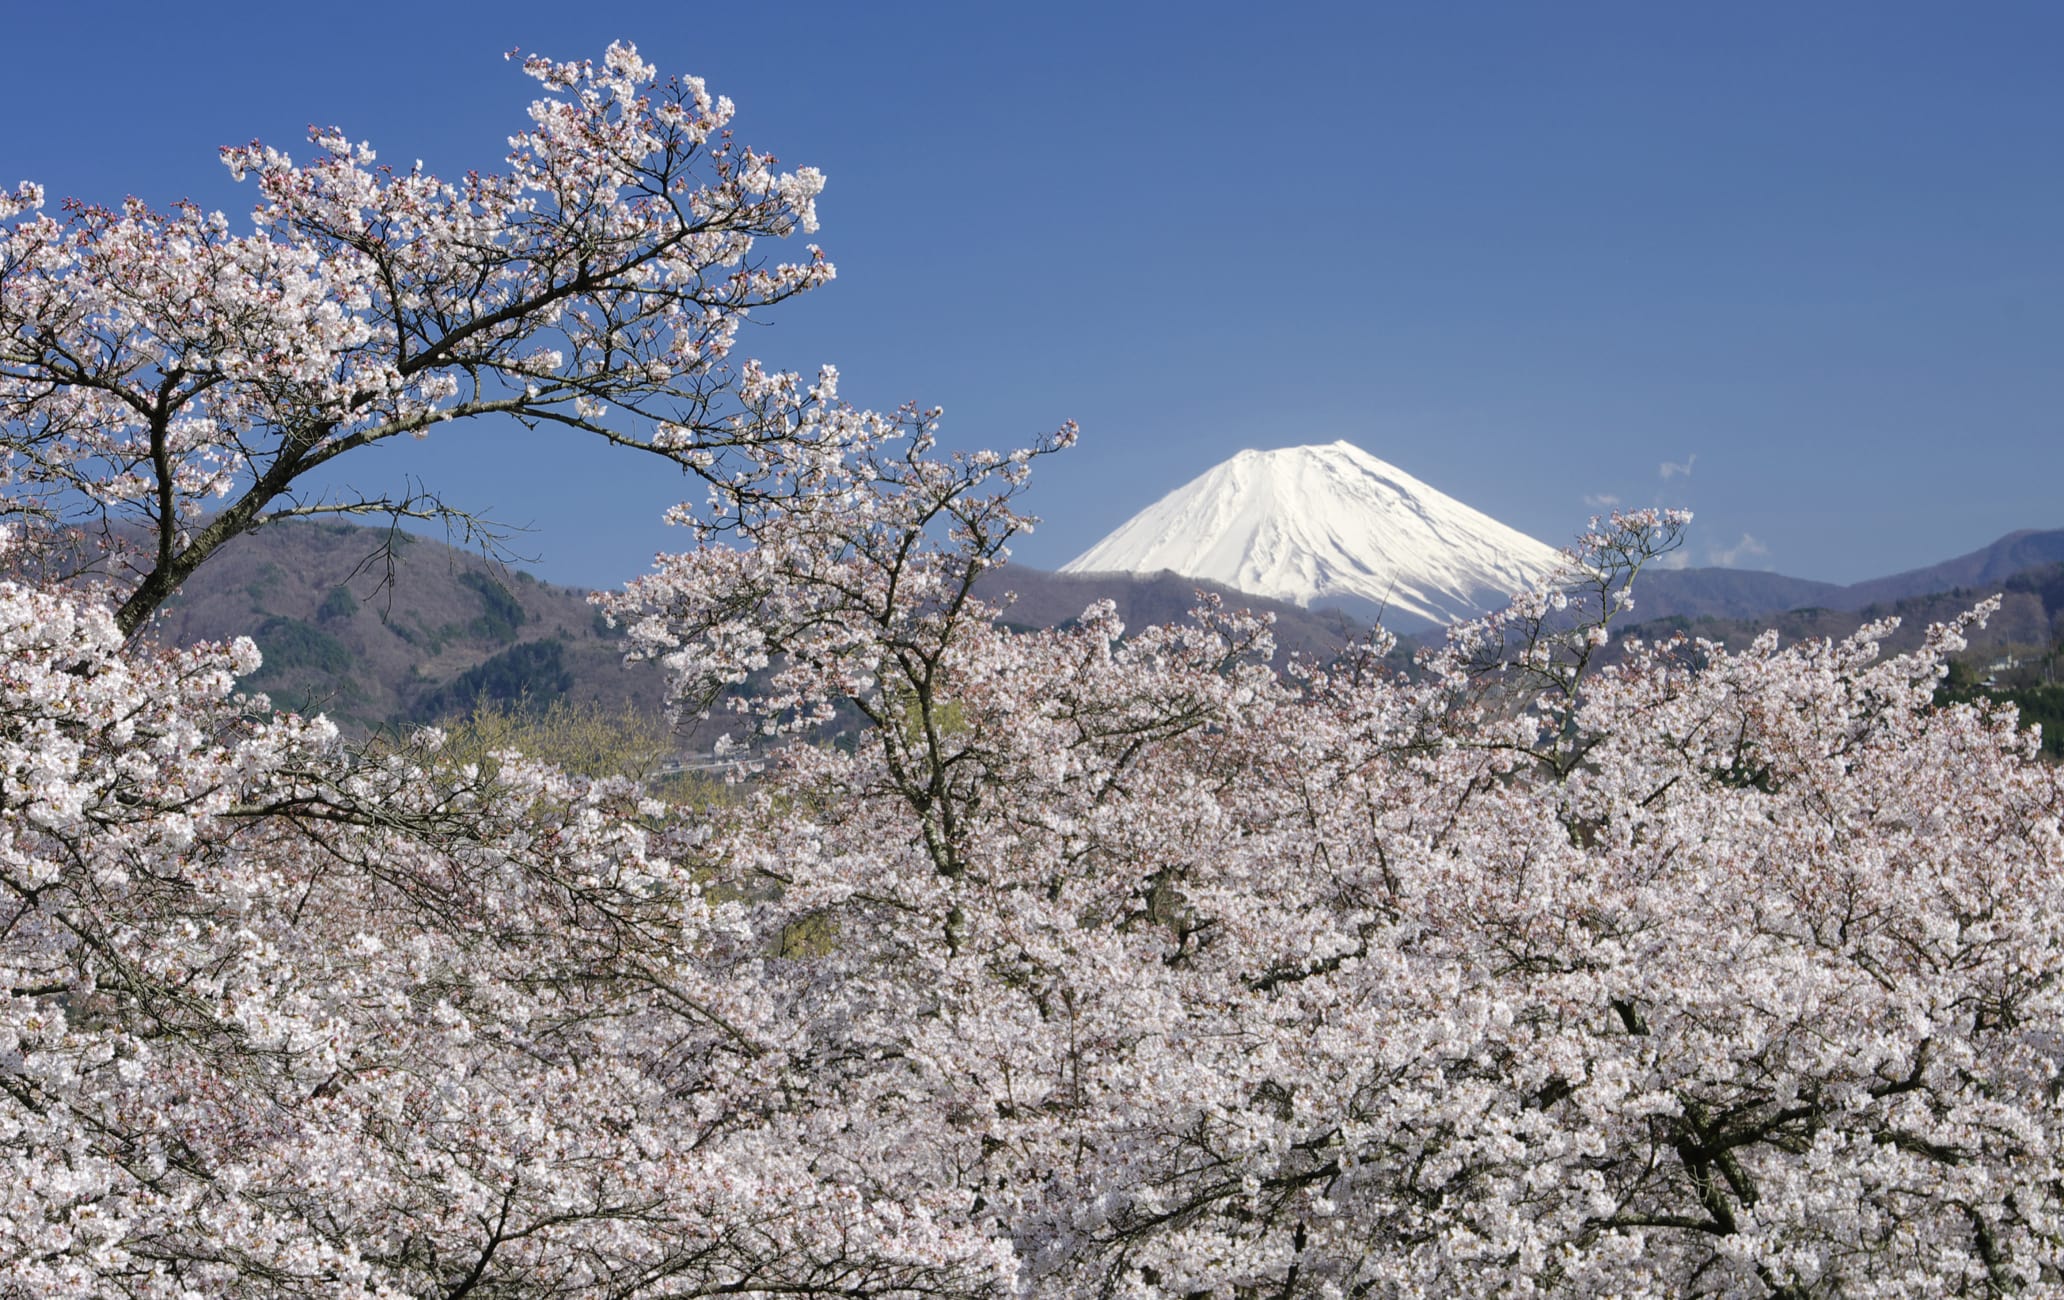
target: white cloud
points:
(1672, 560)
(1670, 469)
(1732, 556)
(1601, 500)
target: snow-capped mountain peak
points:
(1328, 525)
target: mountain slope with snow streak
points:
(1328, 525)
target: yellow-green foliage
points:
(583, 739)
(813, 936)
(948, 718)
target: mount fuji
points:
(1329, 526)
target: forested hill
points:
(375, 635)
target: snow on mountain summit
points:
(1328, 525)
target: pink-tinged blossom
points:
(276, 1022)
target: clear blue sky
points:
(1531, 253)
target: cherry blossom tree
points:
(277, 1023)
(168, 383)
(278, 1017)
(1694, 973)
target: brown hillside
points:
(378, 636)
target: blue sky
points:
(1531, 253)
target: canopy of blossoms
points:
(1087, 961)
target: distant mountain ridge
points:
(1036, 598)
(1328, 525)
(343, 635)
(1743, 593)
(2013, 554)
(2030, 617)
